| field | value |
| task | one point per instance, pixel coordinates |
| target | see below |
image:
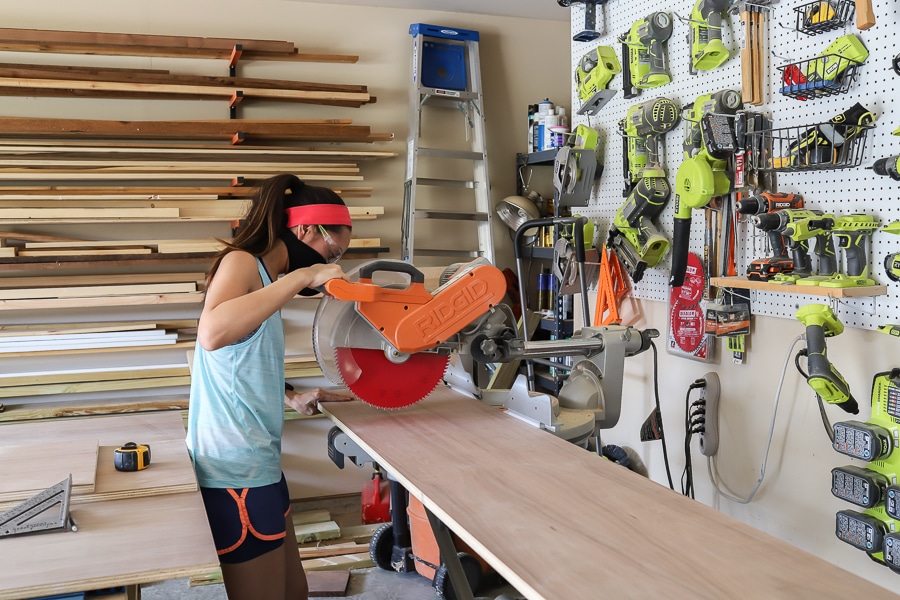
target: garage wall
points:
(521, 64)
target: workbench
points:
(122, 542)
(557, 521)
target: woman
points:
(237, 386)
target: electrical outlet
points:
(709, 439)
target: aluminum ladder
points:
(446, 75)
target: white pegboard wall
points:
(839, 191)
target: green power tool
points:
(851, 232)
(708, 141)
(840, 54)
(633, 237)
(892, 261)
(594, 72)
(823, 377)
(705, 37)
(644, 54)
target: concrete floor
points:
(365, 584)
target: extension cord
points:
(709, 438)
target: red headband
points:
(318, 214)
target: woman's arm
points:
(236, 304)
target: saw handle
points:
(367, 270)
(680, 242)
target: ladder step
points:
(427, 94)
(454, 253)
(445, 182)
(428, 213)
(440, 153)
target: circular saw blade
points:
(377, 380)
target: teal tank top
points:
(236, 410)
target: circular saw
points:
(389, 342)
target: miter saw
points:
(391, 343)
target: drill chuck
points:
(767, 221)
(889, 166)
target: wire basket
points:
(826, 75)
(821, 16)
(820, 147)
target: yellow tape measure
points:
(132, 457)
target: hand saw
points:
(390, 344)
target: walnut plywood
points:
(128, 44)
(557, 521)
(170, 531)
(224, 129)
(30, 468)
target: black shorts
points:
(248, 522)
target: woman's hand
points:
(318, 275)
(306, 403)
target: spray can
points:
(544, 283)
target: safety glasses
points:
(334, 247)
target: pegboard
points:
(840, 191)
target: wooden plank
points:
(310, 516)
(40, 175)
(65, 87)
(28, 469)
(322, 550)
(218, 151)
(161, 76)
(156, 191)
(32, 331)
(70, 376)
(165, 474)
(809, 290)
(118, 385)
(62, 346)
(7, 252)
(316, 532)
(328, 584)
(99, 290)
(359, 560)
(84, 252)
(95, 280)
(436, 450)
(87, 213)
(55, 36)
(70, 408)
(106, 165)
(99, 302)
(171, 530)
(184, 130)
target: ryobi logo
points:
(452, 308)
(449, 32)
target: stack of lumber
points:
(324, 545)
(85, 291)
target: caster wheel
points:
(442, 585)
(381, 546)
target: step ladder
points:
(446, 79)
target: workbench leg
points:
(449, 558)
(133, 592)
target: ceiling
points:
(531, 9)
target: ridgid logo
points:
(453, 308)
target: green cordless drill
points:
(644, 54)
(888, 167)
(705, 37)
(702, 175)
(790, 219)
(851, 232)
(633, 237)
(823, 377)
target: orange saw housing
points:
(412, 319)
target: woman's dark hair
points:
(264, 222)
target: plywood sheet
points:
(170, 531)
(30, 468)
(557, 521)
(165, 475)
